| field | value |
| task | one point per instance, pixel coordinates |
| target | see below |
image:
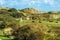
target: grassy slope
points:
(2, 36)
(52, 24)
(24, 22)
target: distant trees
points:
(14, 13)
(8, 21)
(17, 15)
(8, 18)
(49, 12)
(12, 10)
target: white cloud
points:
(15, 2)
(2, 2)
(46, 1)
(21, 2)
(35, 3)
(31, 3)
(9, 2)
(52, 3)
(38, 3)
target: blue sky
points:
(42, 5)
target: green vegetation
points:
(29, 25)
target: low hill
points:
(30, 10)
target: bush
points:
(28, 32)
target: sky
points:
(41, 5)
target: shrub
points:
(28, 32)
